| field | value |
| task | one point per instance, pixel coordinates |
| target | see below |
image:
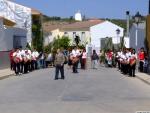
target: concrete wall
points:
(2, 36)
(6, 40)
(148, 31)
(4, 60)
(6, 43)
(141, 31)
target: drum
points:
(16, 59)
(75, 59)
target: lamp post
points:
(118, 32)
(128, 22)
(137, 19)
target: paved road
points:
(91, 91)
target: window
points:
(74, 34)
(66, 33)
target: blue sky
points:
(90, 8)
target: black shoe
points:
(56, 79)
(63, 78)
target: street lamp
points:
(128, 22)
(137, 19)
(118, 32)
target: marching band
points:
(24, 61)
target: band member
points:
(11, 59)
(22, 53)
(17, 59)
(132, 62)
(75, 59)
(35, 56)
(118, 57)
(27, 61)
(124, 62)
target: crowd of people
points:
(25, 60)
(127, 60)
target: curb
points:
(6, 76)
(143, 77)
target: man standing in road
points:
(59, 64)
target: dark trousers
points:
(119, 65)
(17, 68)
(83, 63)
(12, 65)
(141, 66)
(74, 67)
(34, 65)
(61, 69)
(125, 68)
(132, 70)
(26, 67)
(21, 67)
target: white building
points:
(19, 14)
(104, 30)
(80, 29)
(89, 32)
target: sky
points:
(90, 8)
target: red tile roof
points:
(84, 25)
(76, 26)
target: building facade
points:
(19, 14)
(105, 30)
(137, 35)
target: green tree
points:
(61, 42)
(37, 39)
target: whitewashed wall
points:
(103, 30)
(84, 38)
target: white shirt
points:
(75, 53)
(17, 54)
(22, 52)
(123, 57)
(35, 54)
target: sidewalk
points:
(144, 77)
(5, 73)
